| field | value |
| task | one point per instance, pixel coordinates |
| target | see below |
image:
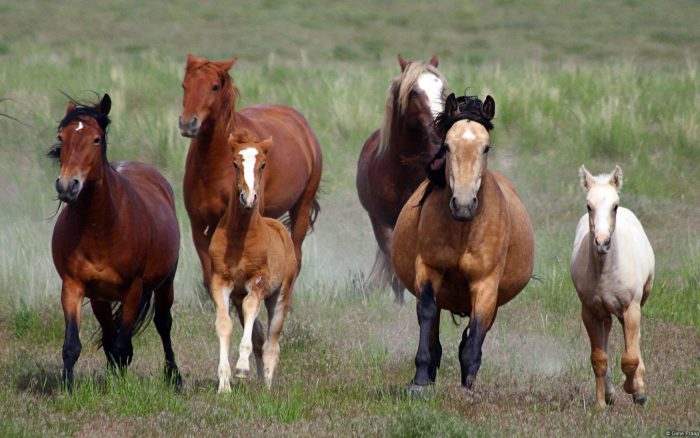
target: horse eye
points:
(96, 140)
(235, 165)
(413, 93)
(487, 149)
(59, 139)
(615, 208)
(215, 87)
(262, 166)
(588, 207)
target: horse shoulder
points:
(635, 249)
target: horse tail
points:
(315, 210)
(380, 273)
(144, 316)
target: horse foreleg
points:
(221, 292)
(202, 238)
(427, 281)
(632, 364)
(103, 313)
(163, 320)
(599, 358)
(251, 308)
(484, 295)
(72, 294)
(277, 307)
(435, 348)
(258, 339)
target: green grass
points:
(588, 83)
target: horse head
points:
(81, 146)
(249, 159)
(602, 201)
(461, 161)
(207, 88)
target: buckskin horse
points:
(393, 159)
(463, 241)
(209, 117)
(116, 241)
(253, 260)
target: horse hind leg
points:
(302, 216)
(632, 364)
(382, 269)
(131, 315)
(103, 313)
(277, 306)
(162, 318)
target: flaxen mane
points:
(397, 98)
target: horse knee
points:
(629, 364)
(599, 361)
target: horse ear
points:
(265, 145)
(191, 59)
(434, 61)
(105, 104)
(617, 177)
(402, 62)
(226, 65)
(586, 177)
(488, 109)
(451, 105)
(71, 107)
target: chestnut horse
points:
(393, 159)
(253, 259)
(208, 117)
(612, 268)
(463, 241)
(116, 241)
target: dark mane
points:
(468, 108)
(82, 111)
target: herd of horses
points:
(449, 229)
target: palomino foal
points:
(612, 267)
(253, 259)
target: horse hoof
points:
(421, 391)
(242, 374)
(610, 399)
(639, 399)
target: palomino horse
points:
(393, 159)
(463, 241)
(208, 117)
(253, 259)
(117, 240)
(612, 267)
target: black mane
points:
(83, 111)
(467, 108)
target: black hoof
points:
(173, 377)
(639, 399)
(610, 399)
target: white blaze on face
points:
(433, 88)
(249, 160)
(468, 134)
(80, 126)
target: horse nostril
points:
(242, 198)
(193, 122)
(453, 203)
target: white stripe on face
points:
(248, 155)
(80, 126)
(468, 134)
(433, 87)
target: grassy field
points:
(587, 83)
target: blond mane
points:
(399, 94)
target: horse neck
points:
(405, 141)
(211, 144)
(98, 202)
(240, 222)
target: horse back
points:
(295, 158)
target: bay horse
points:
(116, 241)
(253, 259)
(208, 118)
(393, 159)
(463, 242)
(612, 268)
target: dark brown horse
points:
(463, 241)
(116, 241)
(393, 159)
(294, 163)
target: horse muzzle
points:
(463, 213)
(189, 127)
(68, 190)
(248, 202)
(602, 247)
